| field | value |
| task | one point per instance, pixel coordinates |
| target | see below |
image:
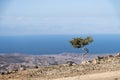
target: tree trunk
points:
(83, 55)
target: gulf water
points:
(54, 44)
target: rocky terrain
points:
(58, 72)
(16, 62)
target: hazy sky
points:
(35, 17)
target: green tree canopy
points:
(81, 43)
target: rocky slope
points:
(97, 65)
(15, 62)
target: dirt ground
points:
(113, 75)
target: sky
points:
(42, 17)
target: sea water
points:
(54, 44)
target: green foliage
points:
(81, 42)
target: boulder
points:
(71, 63)
(96, 61)
(117, 55)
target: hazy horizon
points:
(61, 17)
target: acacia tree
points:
(80, 43)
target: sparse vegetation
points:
(81, 43)
(106, 64)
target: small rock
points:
(118, 55)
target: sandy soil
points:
(114, 75)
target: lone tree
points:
(81, 43)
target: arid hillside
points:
(17, 62)
(102, 64)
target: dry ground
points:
(113, 75)
(107, 69)
(68, 73)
